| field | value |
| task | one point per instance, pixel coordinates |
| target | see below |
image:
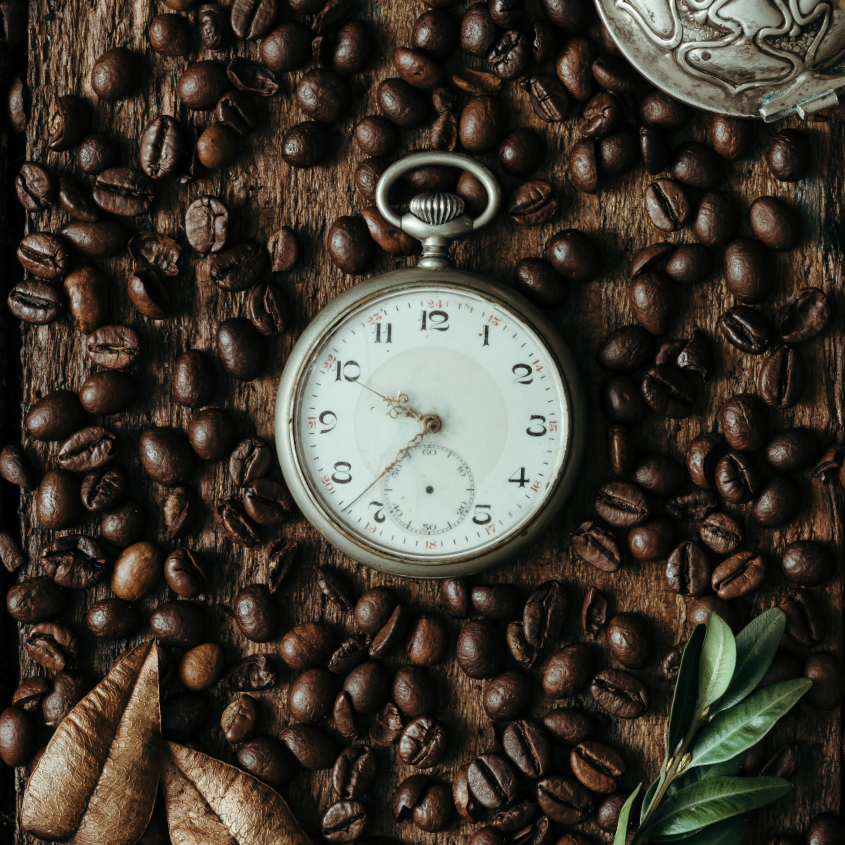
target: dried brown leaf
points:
(96, 782)
(210, 802)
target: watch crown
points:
(437, 209)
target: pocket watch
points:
(747, 58)
(430, 421)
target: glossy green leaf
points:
(746, 723)
(649, 795)
(713, 800)
(728, 769)
(624, 815)
(717, 663)
(727, 832)
(684, 698)
(756, 645)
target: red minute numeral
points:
(327, 483)
(537, 365)
(491, 529)
(327, 364)
(370, 527)
(374, 318)
(494, 320)
(535, 486)
(431, 544)
(432, 303)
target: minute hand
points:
(399, 407)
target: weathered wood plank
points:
(262, 192)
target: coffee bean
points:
(38, 303)
(667, 205)
(621, 449)
(74, 561)
(69, 124)
(478, 31)
(179, 511)
(492, 781)
(828, 677)
(57, 504)
(597, 766)
(251, 19)
(252, 673)
(654, 149)
(568, 670)
(240, 719)
(44, 255)
(482, 125)
(622, 504)
(368, 686)
(574, 67)
(510, 55)
(737, 478)
(186, 573)
(507, 13)
(463, 799)
(696, 166)
(527, 746)
(614, 74)
(717, 219)
(653, 301)
(426, 641)
(793, 450)
(166, 456)
(625, 350)
(688, 570)
(202, 666)
(691, 506)
(545, 614)
(349, 245)
(232, 520)
(193, 379)
(35, 187)
(781, 380)
(423, 743)
(68, 689)
(170, 35)
(620, 400)
(549, 98)
(784, 763)
(659, 109)
(17, 737)
(51, 645)
(75, 201)
(88, 298)
(602, 116)
(374, 609)
(454, 597)
(178, 624)
(830, 464)
(701, 457)
(512, 819)
(721, 533)
(538, 281)
(96, 153)
(55, 416)
(564, 800)
(597, 547)
(630, 642)
(137, 571)
(520, 152)
(256, 78)
(435, 33)
(775, 224)
(267, 502)
(499, 602)
(124, 191)
(148, 293)
(15, 467)
(570, 725)
(778, 504)
(30, 693)
(115, 74)
(574, 255)
(653, 540)
(823, 829)
(479, 649)
(417, 69)
(807, 563)
(742, 422)
(402, 104)
(17, 105)
(616, 154)
(267, 759)
(256, 614)
(685, 263)
(124, 524)
(805, 622)
(354, 772)
(533, 203)
(36, 600)
(804, 316)
(100, 239)
(742, 573)
(202, 84)
(210, 433)
(731, 137)
(238, 267)
(593, 613)
(524, 654)
(311, 694)
(390, 238)
(620, 693)
(306, 645)
(788, 155)
(694, 355)
(240, 349)
(668, 391)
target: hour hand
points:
(398, 406)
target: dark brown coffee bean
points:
(520, 152)
(778, 504)
(311, 694)
(784, 763)
(51, 645)
(426, 641)
(368, 686)
(233, 522)
(100, 239)
(510, 55)
(268, 760)
(374, 609)
(625, 350)
(178, 624)
(545, 614)
(630, 642)
(616, 154)
(538, 281)
(454, 597)
(36, 600)
(742, 422)
(69, 124)
(528, 748)
(155, 251)
(417, 69)
(76, 202)
(653, 540)
(807, 563)
(788, 155)
(478, 31)
(161, 146)
(510, 820)
(207, 224)
(659, 109)
(115, 74)
(423, 743)
(775, 224)
(240, 349)
(602, 116)
(96, 153)
(574, 255)
(54, 417)
(256, 78)
(702, 454)
(15, 467)
(667, 205)
(251, 19)
(68, 689)
(256, 615)
(344, 717)
(240, 719)
(574, 67)
(123, 525)
(570, 725)
(549, 98)
(170, 35)
(267, 502)
(653, 301)
(805, 315)
(179, 511)
(435, 33)
(828, 690)
(202, 84)
(17, 736)
(782, 378)
(38, 303)
(668, 391)
(742, 573)
(75, 561)
(482, 124)
(716, 220)
(721, 533)
(166, 456)
(238, 267)
(692, 506)
(193, 379)
(499, 602)
(306, 645)
(564, 800)
(622, 504)
(354, 772)
(251, 673)
(479, 650)
(492, 781)
(506, 695)
(57, 504)
(694, 355)
(687, 264)
(654, 149)
(124, 191)
(620, 693)
(621, 449)
(793, 450)
(597, 766)
(44, 255)
(568, 670)
(620, 400)
(747, 269)
(614, 74)
(731, 137)
(402, 104)
(186, 573)
(696, 165)
(688, 570)
(17, 105)
(349, 244)
(35, 187)
(148, 293)
(597, 547)
(737, 478)
(805, 617)
(112, 619)
(533, 203)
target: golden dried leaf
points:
(477, 82)
(96, 782)
(210, 802)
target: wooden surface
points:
(262, 194)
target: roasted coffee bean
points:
(629, 640)
(742, 422)
(775, 224)
(823, 829)
(731, 137)
(202, 84)
(155, 251)
(115, 74)
(166, 456)
(374, 609)
(170, 35)
(311, 694)
(702, 454)
(423, 743)
(36, 600)
(564, 800)
(390, 238)
(574, 67)
(202, 666)
(626, 349)
(807, 563)
(124, 191)
(38, 303)
(214, 26)
(68, 690)
(402, 104)
(570, 725)
(658, 474)
(69, 124)
(478, 30)
(268, 760)
(44, 255)
(538, 281)
(568, 670)
(778, 504)
(367, 175)
(100, 239)
(805, 622)
(716, 220)
(668, 391)
(793, 450)
(17, 105)
(256, 614)
(492, 781)
(521, 651)
(454, 597)
(520, 152)
(334, 587)
(17, 737)
(240, 719)
(124, 524)
(88, 449)
(622, 504)
(345, 720)
(413, 692)
(688, 570)
(603, 115)
(544, 614)
(96, 153)
(250, 460)
(805, 315)
(621, 449)
(463, 799)
(193, 379)
(15, 467)
(186, 573)
(830, 463)
(527, 746)
(306, 645)
(426, 641)
(148, 293)
(684, 263)
(691, 506)
(57, 504)
(614, 74)
(574, 255)
(354, 772)
(671, 663)
(232, 520)
(35, 187)
(238, 267)
(88, 298)
(179, 511)
(267, 502)
(549, 98)
(654, 149)
(737, 478)
(616, 154)
(349, 244)
(206, 224)
(742, 573)
(74, 561)
(435, 33)
(696, 165)
(788, 155)
(240, 349)
(75, 202)
(29, 694)
(251, 19)
(510, 55)
(507, 13)
(593, 613)
(781, 380)
(178, 624)
(210, 433)
(499, 602)
(533, 203)
(506, 695)
(161, 146)
(368, 686)
(252, 673)
(376, 136)
(417, 69)
(620, 693)
(667, 205)
(748, 274)
(659, 109)
(653, 540)
(720, 533)
(828, 677)
(694, 354)
(137, 571)
(620, 400)
(597, 766)
(408, 795)
(252, 77)
(653, 301)
(510, 820)
(482, 125)
(479, 650)
(287, 47)
(51, 645)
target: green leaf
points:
(746, 723)
(728, 769)
(756, 645)
(622, 824)
(711, 801)
(683, 700)
(718, 660)
(727, 832)
(649, 795)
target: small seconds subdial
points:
(430, 492)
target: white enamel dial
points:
(463, 485)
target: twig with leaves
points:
(717, 715)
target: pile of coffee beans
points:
(531, 778)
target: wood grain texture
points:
(264, 193)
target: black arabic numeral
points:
(523, 374)
(328, 418)
(522, 480)
(352, 374)
(484, 517)
(378, 516)
(532, 430)
(388, 333)
(437, 321)
(341, 469)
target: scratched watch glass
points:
(431, 423)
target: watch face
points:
(431, 423)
